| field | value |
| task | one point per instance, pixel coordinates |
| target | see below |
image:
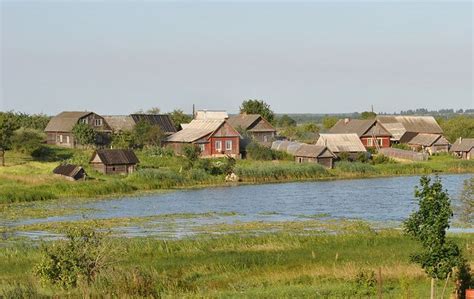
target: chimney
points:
(346, 120)
(194, 112)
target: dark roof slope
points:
(361, 127)
(246, 121)
(116, 156)
(69, 170)
(65, 121)
(313, 151)
(428, 140)
(463, 145)
(164, 121)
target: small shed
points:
(349, 144)
(463, 148)
(316, 154)
(70, 172)
(114, 161)
(430, 143)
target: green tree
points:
(179, 117)
(7, 128)
(84, 134)
(467, 201)
(329, 122)
(258, 107)
(146, 134)
(428, 225)
(459, 126)
(122, 139)
(368, 115)
(153, 110)
(310, 127)
(192, 153)
(286, 121)
(26, 140)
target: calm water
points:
(380, 200)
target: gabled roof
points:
(399, 125)
(69, 170)
(120, 122)
(314, 151)
(247, 121)
(361, 127)
(196, 129)
(338, 143)
(65, 121)
(116, 156)
(462, 145)
(428, 140)
(164, 121)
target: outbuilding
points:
(315, 154)
(70, 172)
(429, 143)
(114, 161)
(463, 148)
(343, 145)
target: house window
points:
(265, 138)
(84, 121)
(61, 138)
(218, 145)
(228, 145)
(370, 142)
(380, 141)
(202, 147)
(98, 122)
(67, 139)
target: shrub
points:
(381, 159)
(365, 283)
(256, 151)
(401, 146)
(217, 167)
(27, 140)
(80, 257)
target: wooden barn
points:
(124, 123)
(342, 144)
(429, 143)
(403, 128)
(463, 148)
(70, 172)
(59, 128)
(371, 132)
(215, 138)
(315, 154)
(114, 161)
(256, 127)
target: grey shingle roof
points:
(398, 125)
(164, 121)
(313, 151)
(69, 170)
(338, 143)
(116, 156)
(361, 127)
(462, 145)
(428, 139)
(196, 129)
(65, 121)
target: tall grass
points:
(256, 172)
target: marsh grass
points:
(234, 265)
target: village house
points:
(429, 143)
(126, 123)
(114, 161)
(342, 144)
(256, 127)
(315, 154)
(371, 132)
(59, 128)
(463, 148)
(70, 172)
(404, 128)
(214, 136)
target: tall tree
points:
(286, 121)
(258, 107)
(179, 117)
(7, 127)
(329, 122)
(459, 126)
(27, 140)
(428, 225)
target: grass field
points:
(270, 265)
(25, 179)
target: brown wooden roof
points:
(428, 140)
(399, 125)
(338, 143)
(250, 122)
(116, 156)
(69, 170)
(361, 127)
(314, 151)
(462, 145)
(65, 121)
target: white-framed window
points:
(228, 145)
(380, 141)
(98, 122)
(218, 145)
(61, 138)
(67, 139)
(202, 147)
(370, 142)
(84, 121)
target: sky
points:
(117, 57)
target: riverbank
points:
(238, 265)
(24, 179)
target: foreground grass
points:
(25, 179)
(270, 265)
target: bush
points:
(216, 167)
(80, 257)
(259, 152)
(401, 146)
(381, 159)
(27, 140)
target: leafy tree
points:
(310, 127)
(428, 225)
(7, 127)
(146, 134)
(459, 126)
(122, 139)
(329, 122)
(27, 140)
(81, 256)
(286, 121)
(179, 117)
(258, 107)
(368, 115)
(84, 134)
(192, 153)
(153, 110)
(467, 201)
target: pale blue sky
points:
(314, 57)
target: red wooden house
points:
(370, 131)
(215, 138)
